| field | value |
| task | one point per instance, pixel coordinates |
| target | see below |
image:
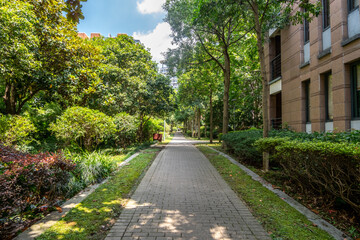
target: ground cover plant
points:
(93, 217)
(35, 184)
(30, 185)
(279, 219)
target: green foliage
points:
(40, 52)
(242, 142)
(42, 117)
(153, 126)
(30, 184)
(84, 126)
(91, 167)
(350, 136)
(73, 10)
(16, 130)
(329, 168)
(100, 207)
(279, 219)
(126, 129)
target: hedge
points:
(329, 168)
(241, 143)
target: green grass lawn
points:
(93, 217)
(279, 219)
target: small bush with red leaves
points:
(29, 181)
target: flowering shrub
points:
(29, 181)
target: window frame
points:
(306, 31)
(307, 101)
(326, 15)
(355, 111)
(351, 8)
(326, 86)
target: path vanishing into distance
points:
(182, 196)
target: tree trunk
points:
(226, 71)
(140, 131)
(192, 128)
(265, 85)
(211, 118)
(199, 123)
(10, 99)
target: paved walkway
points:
(182, 196)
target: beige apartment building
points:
(314, 70)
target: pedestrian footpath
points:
(182, 196)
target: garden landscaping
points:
(93, 217)
(319, 170)
(279, 219)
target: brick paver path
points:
(182, 196)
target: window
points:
(353, 4)
(353, 18)
(326, 13)
(306, 42)
(276, 61)
(307, 101)
(306, 31)
(328, 97)
(355, 89)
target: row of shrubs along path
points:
(182, 196)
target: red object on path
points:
(157, 136)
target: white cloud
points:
(158, 40)
(150, 6)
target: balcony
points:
(276, 67)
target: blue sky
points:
(142, 19)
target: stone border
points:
(49, 220)
(321, 223)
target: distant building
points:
(94, 35)
(83, 35)
(174, 82)
(165, 70)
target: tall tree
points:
(130, 82)
(268, 14)
(218, 25)
(38, 50)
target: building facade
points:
(314, 70)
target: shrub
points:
(188, 133)
(352, 136)
(16, 130)
(241, 143)
(126, 130)
(42, 117)
(326, 167)
(153, 126)
(29, 181)
(84, 126)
